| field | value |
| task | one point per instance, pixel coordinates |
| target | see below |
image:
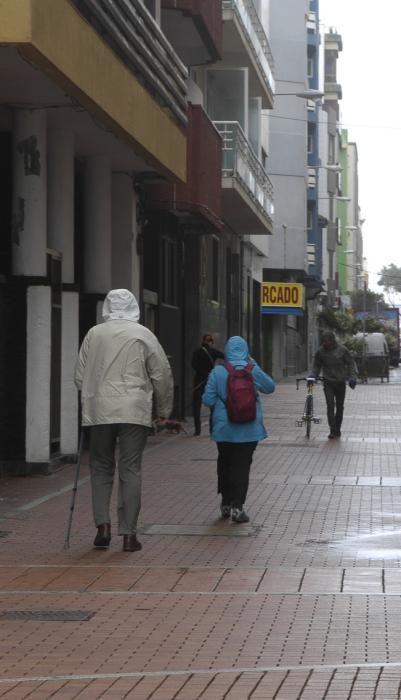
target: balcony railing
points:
(253, 29)
(241, 163)
(133, 34)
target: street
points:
(302, 602)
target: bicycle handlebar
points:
(309, 380)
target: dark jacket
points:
(336, 364)
(203, 361)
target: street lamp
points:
(303, 94)
(336, 197)
(331, 167)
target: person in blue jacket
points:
(236, 442)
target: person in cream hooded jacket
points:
(123, 375)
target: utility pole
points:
(364, 331)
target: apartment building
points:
(214, 229)
(93, 100)
(350, 249)
(285, 329)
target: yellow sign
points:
(282, 295)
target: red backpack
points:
(241, 394)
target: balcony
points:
(242, 28)
(130, 30)
(199, 199)
(332, 91)
(195, 29)
(247, 189)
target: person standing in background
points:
(203, 360)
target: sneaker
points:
(225, 512)
(239, 516)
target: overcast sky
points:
(369, 70)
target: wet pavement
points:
(302, 602)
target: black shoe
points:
(131, 544)
(331, 436)
(103, 537)
(225, 511)
(197, 432)
(239, 516)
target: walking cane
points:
(74, 489)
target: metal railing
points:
(133, 34)
(241, 163)
(253, 29)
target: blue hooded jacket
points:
(237, 353)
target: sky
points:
(369, 71)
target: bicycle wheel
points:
(308, 414)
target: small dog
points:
(171, 426)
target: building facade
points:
(93, 100)
(286, 334)
(218, 223)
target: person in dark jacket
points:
(337, 365)
(203, 361)
(236, 442)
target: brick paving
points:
(304, 602)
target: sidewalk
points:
(302, 602)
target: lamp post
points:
(363, 368)
(284, 227)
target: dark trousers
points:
(335, 395)
(233, 465)
(197, 404)
(103, 441)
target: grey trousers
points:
(103, 441)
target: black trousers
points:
(197, 404)
(233, 465)
(335, 395)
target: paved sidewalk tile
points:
(304, 605)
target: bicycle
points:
(307, 417)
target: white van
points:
(375, 344)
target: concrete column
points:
(69, 394)
(29, 196)
(137, 260)
(37, 432)
(97, 208)
(60, 198)
(122, 198)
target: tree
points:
(390, 278)
(367, 301)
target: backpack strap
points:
(209, 355)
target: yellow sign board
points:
(277, 296)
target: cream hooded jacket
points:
(122, 370)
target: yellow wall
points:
(62, 43)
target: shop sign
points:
(282, 298)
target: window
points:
(311, 140)
(311, 68)
(309, 222)
(215, 268)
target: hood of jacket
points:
(236, 351)
(120, 304)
